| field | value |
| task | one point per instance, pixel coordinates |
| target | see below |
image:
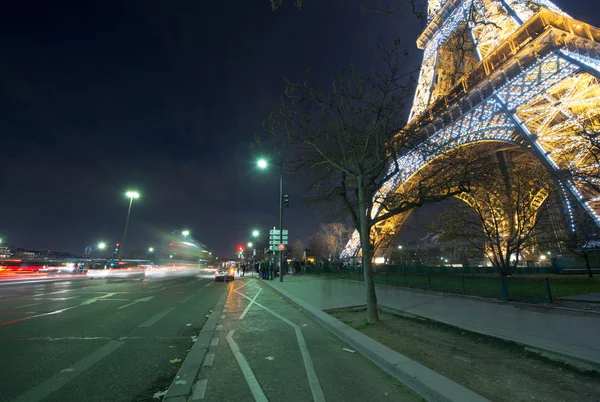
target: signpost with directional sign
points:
(278, 239)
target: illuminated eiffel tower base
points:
(506, 71)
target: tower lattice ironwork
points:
(512, 71)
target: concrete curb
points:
(181, 386)
(430, 385)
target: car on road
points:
(224, 274)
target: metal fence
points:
(490, 285)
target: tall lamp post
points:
(131, 195)
(263, 164)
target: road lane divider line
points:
(51, 293)
(84, 303)
(257, 392)
(28, 305)
(55, 382)
(187, 299)
(313, 380)
(214, 342)
(208, 284)
(200, 390)
(245, 283)
(249, 305)
(156, 318)
(144, 299)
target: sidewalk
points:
(565, 334)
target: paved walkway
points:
(573, 335)
(262, 348)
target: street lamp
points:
(185, 233)
(250, 244)
(255, 233)
(131, 195)
(150, 250)
(400, 247)
(262, 164)
(101, 245)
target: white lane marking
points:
(144, 299)
(241, 286)
(313, 380)
(218, 327)
(114, 300)
(253, 384)
(54, 298)
(199, 390)
(208, 284)
(27, 305)
(214, 342)
(154, 319)
(51, 293)
(210, 359)
(249, 305)
(55, 382)
(84, 303)
(187, 299)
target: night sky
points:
(164, 97)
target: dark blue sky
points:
(165, 97)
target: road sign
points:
(276, 232)
(273, 248)
(281, 247)
(277, 241)
(277, 237)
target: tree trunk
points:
(587, 265)
(365, 241)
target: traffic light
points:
(286, 200)
(116, 252)
(241, 248)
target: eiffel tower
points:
(506, 71)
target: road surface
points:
(99, 339)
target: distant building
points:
(27, 254)
(49, 254)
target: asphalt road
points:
(264, 348)
(99, 339)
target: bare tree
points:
(584, 239)
(335, 237)
(355, 133)
(298, 250)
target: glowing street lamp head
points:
(250, 244)
(132, 194)
(101, 245)
(255, 233)
(185, 233)
(151, 249)
(262, 163)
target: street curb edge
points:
(189, 369)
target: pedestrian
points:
(244, 270)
